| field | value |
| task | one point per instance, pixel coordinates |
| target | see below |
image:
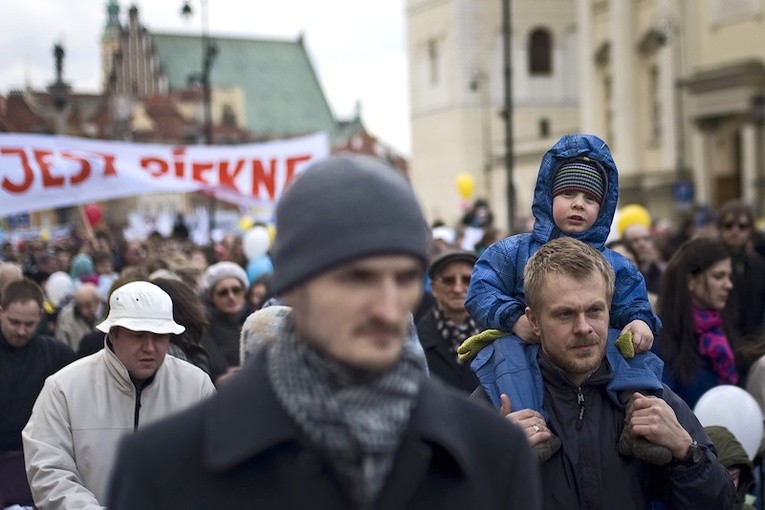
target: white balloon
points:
(59, 287)
(255, 242)
(735, 409)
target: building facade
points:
(457, 97)
(676, 88)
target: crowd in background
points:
(214, 290)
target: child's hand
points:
(642, 336)
(522, 329)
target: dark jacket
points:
(22, 374)
(589, 470)
(589, 473)
(442, 360)
(221, 341)
(241, 450)
(732, 454)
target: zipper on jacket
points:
(137, 411)
(580, 401)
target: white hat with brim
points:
(141, 306)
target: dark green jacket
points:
(731, 453)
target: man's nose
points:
(582, 325)
(148, 344)
(387, 306)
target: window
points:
(609, 109)
(656, 107)
(540, 52)
(544, 128)
(228, 117)
(433, 61)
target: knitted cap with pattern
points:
(582, 175)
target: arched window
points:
(540, 52)
(544, 128)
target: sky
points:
(358, 47)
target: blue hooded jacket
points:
(496, 299)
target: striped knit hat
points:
(580, 175)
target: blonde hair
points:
(565, 256)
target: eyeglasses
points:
(236, 291)
(450, 281)
(742, 225)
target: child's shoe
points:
(546, 449)
(639, 447)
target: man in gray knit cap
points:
(337, 412)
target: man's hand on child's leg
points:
(642, 336)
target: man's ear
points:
(533, 321)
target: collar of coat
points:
(246, 419)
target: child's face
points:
(575, 211)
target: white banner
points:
(44, 172)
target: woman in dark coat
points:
(693, 341)
(224, 285)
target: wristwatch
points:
(694, 455)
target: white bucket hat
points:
(141, 306)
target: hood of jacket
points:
(570, 147)
(731, 453)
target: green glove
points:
(473, 344)
(625, 345)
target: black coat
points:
(442, 361)
(22, 374)
(240, 450)
(221, 341)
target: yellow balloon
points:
(633, 214)
(271, 233)
(465, 185)
(45, 234)
(245, 223)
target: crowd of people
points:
(387, 364)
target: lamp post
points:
(209, 52)
(508, 112)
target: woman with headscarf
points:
(225, 284)
(693, 341)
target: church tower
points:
(110, 41)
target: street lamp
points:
(508, 112)
(209, 52)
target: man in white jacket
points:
(85, 409)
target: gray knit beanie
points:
(340, 209)
(220, 271)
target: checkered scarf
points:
(356, 417)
